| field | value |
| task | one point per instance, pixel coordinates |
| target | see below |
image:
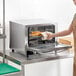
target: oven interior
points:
(34, 41)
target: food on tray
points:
(43, 34)
(35, 33)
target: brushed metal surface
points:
(21, 59)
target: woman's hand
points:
(49, 35)
(46, 35)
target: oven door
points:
(54, 47)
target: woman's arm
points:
(62, 33)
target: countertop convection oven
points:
(24, 43)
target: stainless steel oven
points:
(22, 42)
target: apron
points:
(74, 35)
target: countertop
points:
(21, 59)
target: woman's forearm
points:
(65, 32)
(62, 33)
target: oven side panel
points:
(17, 36)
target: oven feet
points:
(13, 50)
